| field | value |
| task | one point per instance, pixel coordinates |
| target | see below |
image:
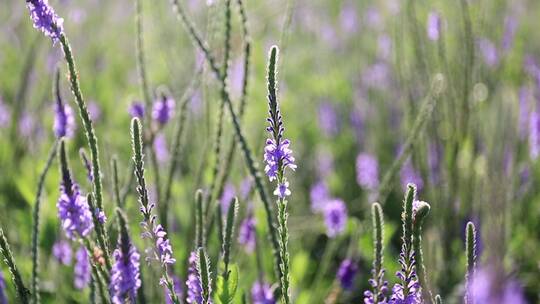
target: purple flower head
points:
(329, 120)
(367, 171)
(534, 135)
(524, 111)
(377, 76)
(136, 109)
(125, 275)
(81, 271)
(163, 109)
(276, 155)
(349, 18)
(100, 214)
(45, 19)
(409, 175)
(193, 283)
(335, 217)
(62, 252)
(319, 196)
(487, 287)
(160, 148)
(64, 120)
(228, 194)
(74, 212)
(163, 251)
(379, 288)
(434, 26)
(3, 296)
(177, 289)
(346, 273)
(247, 233)
(489, 52)
(408, 290)
(282, 190)
(261, 293)
(5, 114)
(373, 18)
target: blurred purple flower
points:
(228, 194)
(373, 18)
(329, 120)
(247, 233)
(407, 276)
(357, 123)
(524, 111)
(74, 212)
(408, 174)
(100, 214)
(160, 148)
(434, 26)
(193, 283)
(489, 52)
(319, 195)
(376, 76)
(178, 290)
(384, 46)
(534, 135)
(510, 28)
(274, 156)
(27, 125)
(45, 19)
(64, 120)
(349, 18)
(245, 188)
(125, 273)
(163, 109)
(487, 287)
(5, 114)
(62, 252)
(346, 273)
(434, 161)
(136, 109)
(261, 293)
(94, 110)
(82, 268)
(3, 293)
(335, 217)
(163, 249)
(367, 171)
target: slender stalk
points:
(22, 292)
(35, 226)
(199, 227)
(437, 87)
(438, 299)
(116, 187)
(228, 234)
(407, 246)
(96, 271)
(203, 268)
(421, 213)
(100, 231)
(87, 123)
(284, 251)
(471, 261)
(141, 66)
(252, 166)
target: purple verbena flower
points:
(379, 288)
(193, 283)
(261, 293)
(319, 196)
(163, 252)
(276, 155)
(125, 273)
(163, 109)
(367, 171)
(45, 19)
(329, 120)
(160, 148)
(335, 217)
(74, 212)
(136, 109)
(64, 120)
(246, 233)
(81, 271)
(408, 290)
(510, 28)
(346, 273)
(489, 52)
(228, 194)
(87, 165)
(62, 252)
(100, 214)
(349, 18)
(434, 26)
(487, 287)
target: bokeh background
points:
(352, 77)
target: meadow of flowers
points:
(284, 151)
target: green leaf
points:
(226, 288)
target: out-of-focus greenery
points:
(378, 71)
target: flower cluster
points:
(346, 273)
(408, 291)
(193, 283)
(335, 217)
(163, 109)
(45, 19)
(62, 252)
(261, 293)
(64, 120)
(136, 109)
(74, 212)
(125, 275)
(379, 289)
(277, 157)
(82, 272)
